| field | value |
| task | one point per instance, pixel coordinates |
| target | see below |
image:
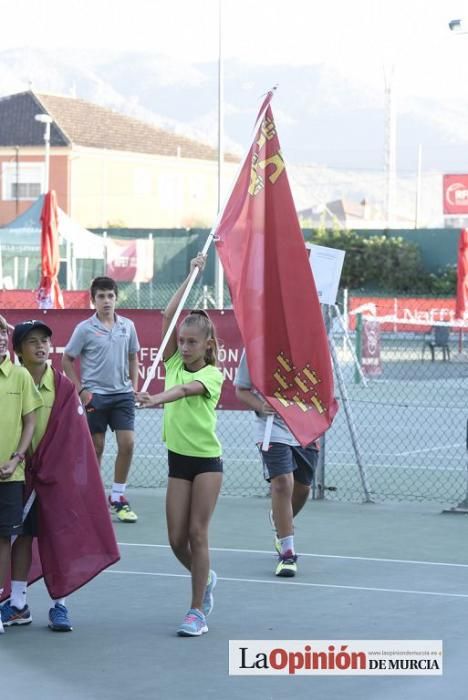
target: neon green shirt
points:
(18, 397)
(190, 423)
(46, 389)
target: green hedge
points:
(384, 263)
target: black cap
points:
(21, 330)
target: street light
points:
(47, 120)
(455, 25)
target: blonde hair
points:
(203, 323)
(3, 324)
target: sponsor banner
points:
(370, 349)
(148, 326)
(403, 314)
(27, 299)
(374, 657)
(129, 260)
(455, 194)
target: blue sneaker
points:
(58, 619)
(194, 624)
(11, 615)
(208, 600)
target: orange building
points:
(106, 168)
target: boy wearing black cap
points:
(64, 473)
(31, 342)
(19, 400)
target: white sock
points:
(117, 491)
(287, 544)
(1, 625)
(18, 594)
(59, 601)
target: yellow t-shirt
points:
(18, 397)
(46, 389)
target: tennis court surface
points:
(365, 572)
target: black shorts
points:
(11, 508)
(183, 467)
(30, 525)
(116, 411)
(283, 459)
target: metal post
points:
(417, 213)
(318, 485)
(219, 272)
(463, 505)
(47, 121)
(350, 421)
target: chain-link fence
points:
(402, 436)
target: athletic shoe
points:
(11, 615)
(286, 564)
(208, 600)
(273, 527)
(194, 624)
(58, 619)
(122, 511)
(1, 626)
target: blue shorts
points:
(116, 411)
(283, 459)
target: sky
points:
(362, 37)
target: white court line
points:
(431, 449)
(304, 554)
(295, 583)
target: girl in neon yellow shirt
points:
(192, 390)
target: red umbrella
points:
(49, 295)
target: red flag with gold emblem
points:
(262, 250)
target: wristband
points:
(83, 388)
(20, 455)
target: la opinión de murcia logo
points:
(319, 657)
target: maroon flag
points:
(76, 538)
(462, 276)
(262, 250)
(49, 295)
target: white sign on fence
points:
(326, 264)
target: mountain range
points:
(331, 127)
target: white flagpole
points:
(267, 433)
(152, 371)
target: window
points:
(22, 180)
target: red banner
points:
(411, 314)
(148, 325)
(370, 349)
(130, 260)
(27, 299)
(462, 276)
(455, 189)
